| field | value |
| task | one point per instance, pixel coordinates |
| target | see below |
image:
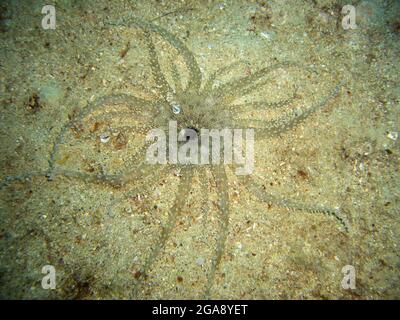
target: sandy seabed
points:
(345, 156)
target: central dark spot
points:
(189, 134)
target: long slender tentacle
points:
(135, 104)
(221, 181)
(246, 84)
(283, 123)
(191, 64)
(149, 174)
(22, 177)
(174, 212)
(204, 184)
(176, 78)
(208, 85)
(112, 180)
(137, 168)
(134, 162)
(115, 180)
(260, 104)
(255, 189)
(161, 83)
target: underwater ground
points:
(76, 194)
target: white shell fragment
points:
(269, 35)
(176, 109)
(104, 137)
(393, 135)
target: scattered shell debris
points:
(104, 137)
(393, 135)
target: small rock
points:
(269, 35)
(104, 137)
(200, 261)
(393, 135)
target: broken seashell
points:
(104, 138)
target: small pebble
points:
(393, 135)
(200, 261)
(268, 35)
(104, 137)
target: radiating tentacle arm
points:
(113, 180)
(260, 105)
(221, 181)
(149, 174)
(284, 123)
(208, 85)
(256, 189)
(22, 177)
(238, 87)
(177, 79)
(190, 61)
(135, 104)
(204, 184)
(180, 201)
(161, 82)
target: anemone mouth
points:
(191, 133)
